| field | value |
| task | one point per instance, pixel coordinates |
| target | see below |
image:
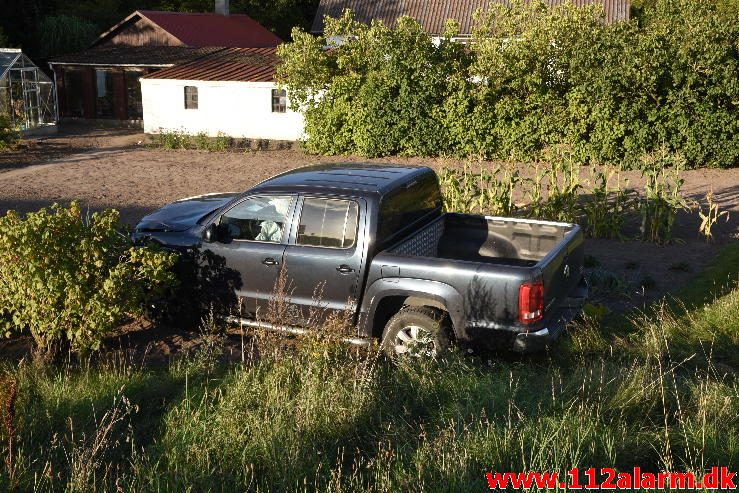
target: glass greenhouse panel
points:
(27, 94)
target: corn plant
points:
(710, 217)
(564, 186)
(461, 190)
(497, 189)
(607, 205)
(537, 205)
(662, 198)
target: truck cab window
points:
(406, 206)
(260, 218)
(328, 223)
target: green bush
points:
(9, 135)
(533, 77)
(68, 279)
(175, 140)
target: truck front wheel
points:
(416, 331)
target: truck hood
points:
(183, 214)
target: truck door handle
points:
(344, 269)
(270, 261)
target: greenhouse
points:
(27, 94)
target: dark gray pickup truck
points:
(375, 239)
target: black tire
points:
(431, 326)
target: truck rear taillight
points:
(531, 302)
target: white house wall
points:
(235, 109)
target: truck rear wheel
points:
(416, 331)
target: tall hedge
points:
(531, 77)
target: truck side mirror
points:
(210, 235)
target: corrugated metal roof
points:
(432, 14)
(230, 64)
(121, 56)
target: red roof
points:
(199, 30)
(230, 64)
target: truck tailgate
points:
(561, 270)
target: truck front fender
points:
(391, 292)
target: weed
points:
(220, 143)
(201, 141)
(212, 339)
(9, 386)
(9, 134)
(88, 455)
(172, 140)
(608, 283)
(710, 216)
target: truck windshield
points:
(406, 206)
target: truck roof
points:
(361, 177)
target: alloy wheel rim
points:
(413, 340)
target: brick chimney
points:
(222, 7)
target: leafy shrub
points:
(533, 78)
(9, 135)
(69, 279)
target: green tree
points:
(64, 34)
(379, 94)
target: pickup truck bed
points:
(492, 240)
(480, 262)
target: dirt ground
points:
(115, 168)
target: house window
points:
(133, 90)
(191, 98)
(279, 101)
(104, 94)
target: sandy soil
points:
(115, 168)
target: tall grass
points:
(660, 393)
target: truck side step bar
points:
(286, 329)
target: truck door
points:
(324, 257)
(252, 236)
